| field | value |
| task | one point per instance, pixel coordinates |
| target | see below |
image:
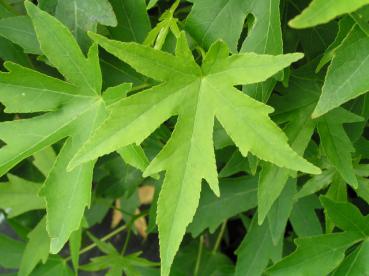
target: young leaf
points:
(196, 95)
(72, 108)
(322, 11)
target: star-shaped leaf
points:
(196, 94)
(69, 108)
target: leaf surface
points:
(196, 96)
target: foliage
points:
(116, 112)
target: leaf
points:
(196, 96)
(333, 137)
(346, 216)
(356, 263)
(19, 196)
(133, 21)
(280, 211)
(322, 11)
(37, 249)
(255, 250)
(316, 183)
(209, 21)
(71, 108)
(345, 79)
(303, 217)
(264, 37)
(19, 30)
(54, 266)
(75, 242)
(10, 252)
(317, 255)
(237, 195)
(299, 129)
(81, 16)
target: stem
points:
(219, 238)
(93, 245)
(127, 240)
(198, 260)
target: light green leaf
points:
(322, 11)
(70, 108)
(317, 255)
(37, 249)
(196, 95)
(19, 196)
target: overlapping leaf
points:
(197, 95)
(70, 108)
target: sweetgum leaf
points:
(197, 95)
(322, 11)
(346, 77)
(19, 196)
(317, 255)
(37, 248)
(70, 108)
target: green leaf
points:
(196, 96)
(346, 76)
(19, 30)
(81, 16)
(356, 263)
(72, 108)
(209, 21)
(19, 196)
(237, 195)
(303, 217)
(299, 129)
(317, 255)
(333, 137)
(346, 216)
(280, 211)
(264, 37)
(10, 252)
(75, 242)
(133, 20)
(322, 11)
(255, 250)
(37, 249)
